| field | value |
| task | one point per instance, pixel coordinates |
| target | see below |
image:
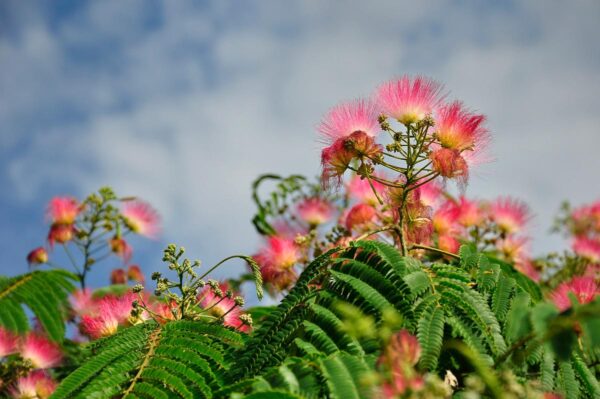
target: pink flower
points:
(37, 384)
(359, 215)
(429, 193)
(360, 190)
(469, 213)
(8, 342)
(82, 302)
(134, 273)
(276, 260)
(37, 256)
(63, 210)
(584, 289)
(121, 248)
(336, 158)
(409, 101)
(510, 215)
(586, 219)
(527, 267)
(445, 218)
(141, 218)
(40, 351)
(222, 306)
(111, 313)
(348, 118)
(512, 247)
(587, 248)
(450, 164)
(458, 129)
(448, 243)
(400, 357)
(60, 233)
(315, 211)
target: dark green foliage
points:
(45, 293)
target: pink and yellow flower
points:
(445, 218)
(41, 352)
(513, 248)
(37, 256)
(8, 342)
(449, 164)
(60, 233)
(587, 248)
(469, 213)
(82, 302)
(409, 101)
(348, 118)
(141, 218)
(430, 193)
(458, 129)
(121, 248)
(360, 215)
(222, 306)
(509, 214)
(315, 211)
(359, 189)
(111, 313)
(584, 289)
(37, 385)
(63, 210)
(276, 260)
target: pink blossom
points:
(450, 164)
(348, 118)
(469, 213)
(222, 306)
(360, 215)
(527, 267)
(141, 218)
(38, 384)
(400, 356)
(458, 129)
(587, 248)
(586, 219)
(62, 210)
(429, 193)
(409, 101)
(40, 351)
(37, 256)
(513, 247)
(315, 211)
(82, 302)
(359, 189)
(60, 233)
(448, 243)
(277, 259)
(584, 289)
(445, 218)
(121, 248)
(511, 215)
(8, 342)
(111, 313)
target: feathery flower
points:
(8, 342)
(359, 189)
(112, 312)
(448, 243)
(348, 118)
(445, 218)
(37, 256)
(400, 356)
(512, 247)
(141, 218)
(458, 129)
(276, 260)
(60, 233)
(586, 219)
(409, 101)
(121, 248)
(584, 289)
(40, 351)
(469, 213)
(527, 267)
(587, 248)
(37, 385)
(511, 215)
(223, 306)
(62, 210)
(450, 164)
(82, 302)
(315, 211)
(359, 215)
(429, 193)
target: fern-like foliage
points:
(181, 359)
(45, 293)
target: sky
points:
(185, 103)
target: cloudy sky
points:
(185, 103)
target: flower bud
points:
(37, 256)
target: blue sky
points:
(185, 103)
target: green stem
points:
(432, 249)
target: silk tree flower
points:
(526, 266)
(586, 219)
(121, 248)
(134, 273)
(276, 260)
(360, 215)
(450, 164)
(430, 193)
(82, 302)
(458, 129)
(141, 218)
(60, 233)
(315, 211)
(348, 130)
(469, 213)
(448, 243)
(8, 342)
(587, 248)
(409, 101)
(400, 357)
(37, 257)
(511, 215)
(41, 352)
(111, 313)
(512, 247)
(221, 305)
(359, 189)
(445, 219)
(63, 210)
(584, 289)
(36, 385)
